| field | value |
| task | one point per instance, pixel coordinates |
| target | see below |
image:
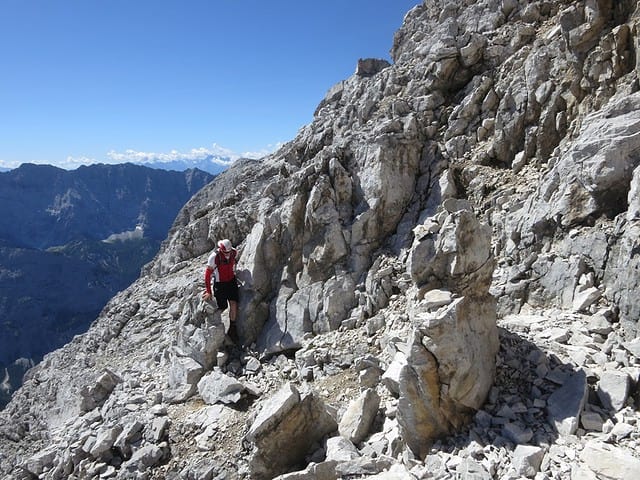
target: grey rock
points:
(359, 416)
(391, 376)
(585, 299)
(591, 421)
(159, 430)
(369, 377)
(633, 347)
(370, 66)
(315, 471)
(131, 433)
(599, 324)
(468, 468)
(144, 458)
(105, 440)
(565, 404)
(621, 430)
(97, 393)
(42, 461)
(218, 387)
(184, 374)
(518, 434)
(201, 342)
(457, 347)
(436, 298)
(340, 449)
(613, 390)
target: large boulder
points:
(450, 366)
(287, 426)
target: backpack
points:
(226, 266)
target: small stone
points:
(158, 410)
(158, 430)
(621, 430)
(613, 390)
(517, 433)
(434, 299)
(253, 365)
(591, 421)
(527, 460)
(633, 347)
(585, 299)
(599, 324)
(369, 377)
(217, 387)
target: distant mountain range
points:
(213, 164)
(70, 240)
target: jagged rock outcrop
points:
(472, 182)
(448, 367)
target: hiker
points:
(222, 265)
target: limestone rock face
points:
(487, 178)
(594, 177)
(458, 256)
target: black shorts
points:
(225, 291)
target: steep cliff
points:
(486, 179)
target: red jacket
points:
(223, 267)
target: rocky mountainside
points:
(69, 241)
(437, 280)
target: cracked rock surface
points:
(438, 280)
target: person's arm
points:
(207, 280)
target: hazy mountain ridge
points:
(42, 206)
(212, 163)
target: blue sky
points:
(85, 81)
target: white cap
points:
(225, 245)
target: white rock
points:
(341, 450)
(633, 347)
(436, 298)
(609, 461)
(621, 430)
(527, 460)
(585, 299)
(391, 376)
(105, 440)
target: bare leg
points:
(233, 310)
